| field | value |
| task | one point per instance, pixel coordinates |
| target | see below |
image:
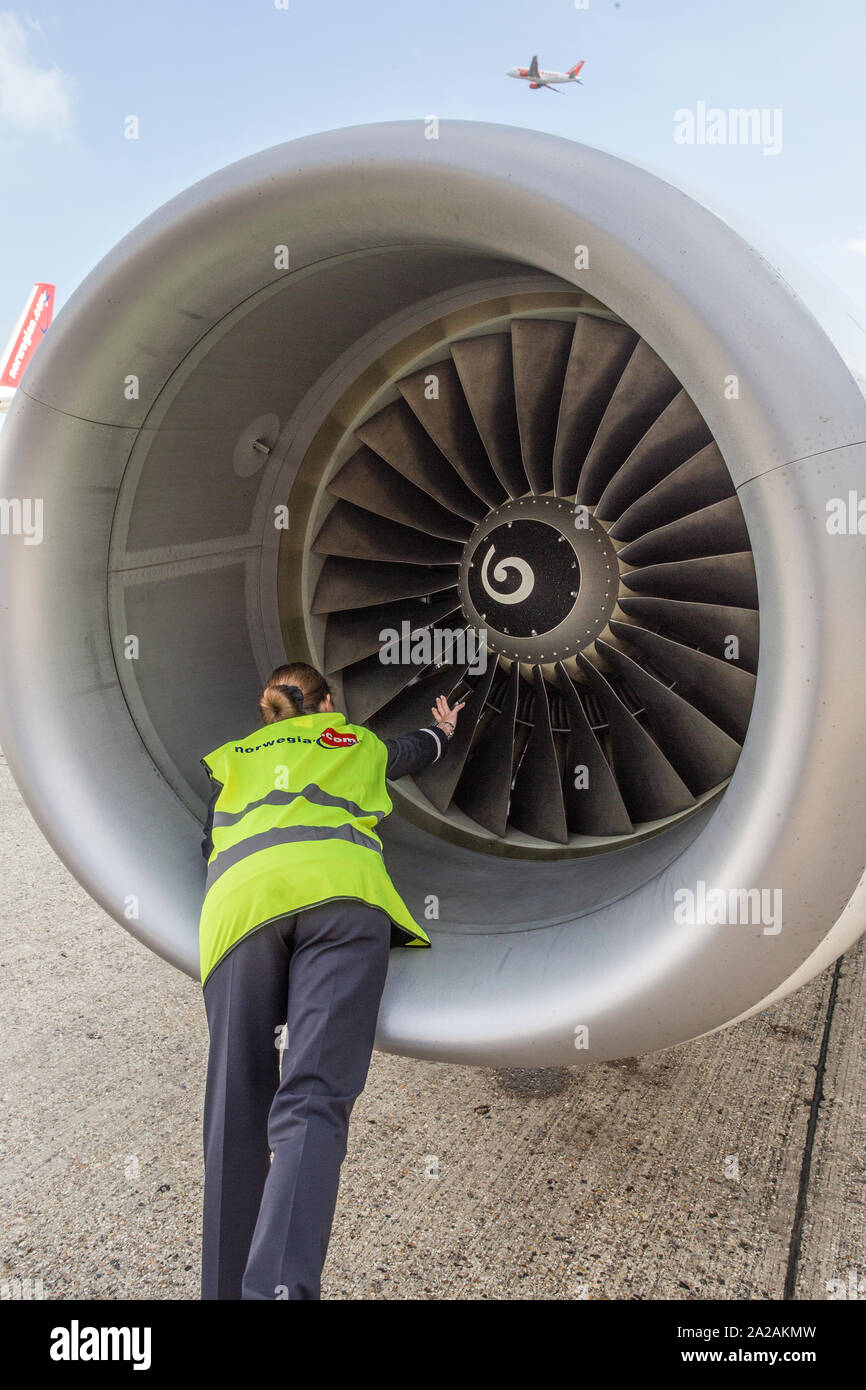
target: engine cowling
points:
(494, 382)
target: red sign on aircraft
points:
(27, 334)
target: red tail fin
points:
(572, 72)
(27, 334)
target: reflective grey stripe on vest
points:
(312, 792)
(283, 835)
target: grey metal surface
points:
(148, 489)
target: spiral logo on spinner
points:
(500, 573)
(523, 579)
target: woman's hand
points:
(444, 716)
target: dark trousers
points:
(266, 1224)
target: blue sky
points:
(213, 80)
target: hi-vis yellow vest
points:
(295, 825)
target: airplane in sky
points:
(542, 77)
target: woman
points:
(298, 918)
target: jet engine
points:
(478, 411)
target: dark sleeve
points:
(411, 753)
(207, 842)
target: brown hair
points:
(291, 690)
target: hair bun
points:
(284, 698)
(294, 692)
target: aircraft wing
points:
(533, 66)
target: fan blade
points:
(644, 389)
(705, 625)
(486, 373)
(537, 806)
(678, 433)
(696, 748)
(351, 636)
(650, 787)
(368, 482)
(439, 781)
(370, 684)
(596, 808)
(396, 435)
(721, 691)
(725, 579)
(349, 530)
(411, 709)
(699, 482)
(599, 353)
(540, 350)
(719, 529)
(484, 790)
(346, 584)
(448, 421)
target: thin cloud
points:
(32, 97)
(857, 245)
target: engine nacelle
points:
(509, 385)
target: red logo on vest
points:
(329, 738)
